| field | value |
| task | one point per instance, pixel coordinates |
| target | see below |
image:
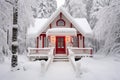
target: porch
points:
(60, 39)
(46, 53)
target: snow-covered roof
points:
(80, 24)
(37, 26)
(61, 32)
(83, 26)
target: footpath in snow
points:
(60, 71)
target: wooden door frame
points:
(57, 44)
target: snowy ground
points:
(96, 68)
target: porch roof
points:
(61, 32)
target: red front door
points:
(60, 45)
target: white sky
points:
(60, 2)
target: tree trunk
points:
(14, 35)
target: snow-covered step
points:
(60, 59)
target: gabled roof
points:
(80, 24)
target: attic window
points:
(60, 22)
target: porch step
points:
(60, 59)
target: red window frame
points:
(60, 20)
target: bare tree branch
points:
(8, 1)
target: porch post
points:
(78, 36)
(70, 25)
(83, 42)
(37, 45)
(80, 40)
(42, 41)
(91, 52)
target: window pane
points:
(75, 42)
(61, 23)
(46, 42)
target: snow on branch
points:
(9, 1)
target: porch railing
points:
(80, 51)
(40, 52)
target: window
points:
(75, 41)
(46, 42)
(60, 22)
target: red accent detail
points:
(37, 46)
(71, 25)
(42, 41)
(91, 52)
(42, 37)
(60, 15)
(80, 36)
(83, 42)
(60, 45)
(50, 26)
(78, 39)
(60, 20)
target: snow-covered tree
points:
(107, 28)
(25, 18)
(96, 6)
(89, 5)
(76, 8)
(5, 23)
(44, 8)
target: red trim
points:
(60, 20)
(42, 37)
(83, 42)
(42, 41)
(81, 36)
(60, 15)
(71, 25)
(50, 26)
(78, 40)
(37, 45)
(91, 52)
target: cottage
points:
(61, 31)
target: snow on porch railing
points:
(45, 64)
(38, 51)
(76, 65)
(42, 52)
(81, 51)
(78, 52)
